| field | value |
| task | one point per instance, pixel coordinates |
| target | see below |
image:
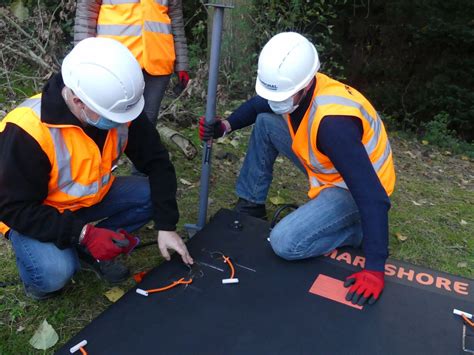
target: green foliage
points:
(313, 19)
(413, 59)
(438, 133)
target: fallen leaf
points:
(425, 142)
(462, 264)
(45, 337)
(114, 294)
(413, 156)
(20, 329)
(464, 157)
(417, 203)
(185, 182)
(234, 143)
(277, 200)
(401, 237)
(279, 160)
(463, 222)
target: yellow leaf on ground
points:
(114, 294)
(401, 237)
(45, 337)
(277, 200)
(425, 142)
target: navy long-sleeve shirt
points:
(340, 139)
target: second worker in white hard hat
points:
(333, 134)
(60, 204)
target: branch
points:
(18, 27)
(31, 55)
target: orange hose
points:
(83, 351)
(181, 281)
(232, 270)
(467, 320)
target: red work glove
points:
(183, 77)
(133, 241)
(102, 243)
(365, 285)
(211, 130)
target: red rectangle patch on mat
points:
(332, 289)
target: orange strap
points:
(83, 351)
(468, 321)
(232, 270)
(181, 281)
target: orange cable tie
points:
(181, 281)
(232, 270)
(468, 321)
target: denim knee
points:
(54, 274)
(283, 244)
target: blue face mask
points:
(101, 123)
(283, 107)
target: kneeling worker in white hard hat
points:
(57, 153)
(334, 135)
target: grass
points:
(431, 207)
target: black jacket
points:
(25, 169)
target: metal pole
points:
(210, 115)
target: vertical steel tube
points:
(210, 112)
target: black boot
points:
(252, 209)
(112, 271)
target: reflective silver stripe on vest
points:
(34, 104)
(375, 124)
(63, 158)
(119, 30)
(122, 135)
(381, 161)
(122, 2)
(316, 166)
(157, 27)
(119, 2)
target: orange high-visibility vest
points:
(80, 175)
(144, 27)
(332, 98)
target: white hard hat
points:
(105, 75)
(287, 64)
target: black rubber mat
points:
(272, 311)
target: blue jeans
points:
(328, 221)
(45, 268)
(155, 88)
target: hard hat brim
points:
(270, 94)
(124, 117)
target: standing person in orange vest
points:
(60, 204)
(152, 30)
(334, 135)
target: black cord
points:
(146, 244)
(279, 211)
